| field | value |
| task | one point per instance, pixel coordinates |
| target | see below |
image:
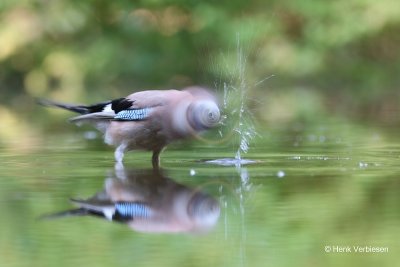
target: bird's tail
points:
(81, 109)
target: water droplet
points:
(280, 174)
(362, 165)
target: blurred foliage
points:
(327, 57)
(296, 62)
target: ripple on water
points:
(231, 162)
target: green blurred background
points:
(339, 58)
(320, 77)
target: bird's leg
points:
(119, 152)
(120, 170)
(155, 159)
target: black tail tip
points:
(81, 109)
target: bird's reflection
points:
(147, 201)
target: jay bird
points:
(148, 120)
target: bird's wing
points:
(133, 114)
(135, 107)
(99, 119)
(139, 105)
(93, 117)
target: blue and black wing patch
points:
(133, 114)
(121, 104)
(125, 211)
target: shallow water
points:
(310, 192)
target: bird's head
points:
(203, 114)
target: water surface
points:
(328, 185)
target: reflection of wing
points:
(103, 207)
(132, 210)
(119, 211)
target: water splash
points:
(235, 98)
(245, 130)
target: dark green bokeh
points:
(341, 54)
(321, 87)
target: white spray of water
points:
(245, 127)
(237, 115)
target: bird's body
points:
(149, 120)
